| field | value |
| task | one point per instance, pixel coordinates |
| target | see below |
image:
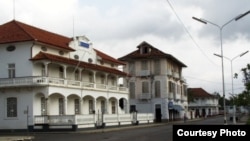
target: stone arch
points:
(101, 104)
(113, 102)
(89, 104)
(56, 104)
(40, 104)
(73, 104)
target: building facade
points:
(51, 80)
(201, 103)
(156, 84)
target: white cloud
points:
(116, 27)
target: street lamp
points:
(231, 62)
(222, 64)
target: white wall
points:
(24, 100)
(20, 57)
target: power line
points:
(196, 44)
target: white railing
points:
(37, 80)
(170, 95)
(85, 119)
(91, 119)
(143, 73)
(145, 96)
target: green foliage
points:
(248, 121)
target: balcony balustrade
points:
(145, 96)
(42, 81)
(90, 119)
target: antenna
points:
(73, 27)
(14, 9)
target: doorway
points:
(158, 114)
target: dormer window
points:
(145, 50)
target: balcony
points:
(143, 73)
(51, 81)
(145, 96)
(176, 75)
(169, 72)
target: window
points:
(103, 106)
(178, 89)
(172, 88)
(43, 106)
(132, 90)
(61, 106)
(91, 109)
(145, 87)
(43, 70)
(11, 48)
(11, 107)
(77, 75)
(61, 52)
(131, 68)
(60, 72)
(157, 67)
(12, 70)
(44, 48)
(102, 79)
(145, 50)
(113, 82)
(157, 89)
(90, 60)
(144, 65)
(113, 107)
(132, 108)
(91, 78)
(185, 90)
(77, 106)
(76, 57)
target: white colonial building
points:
(51, 81)
(201, 103)
(156, 83)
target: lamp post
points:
(231, 62)
(222, 62)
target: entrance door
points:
(158, 114)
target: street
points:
(159, 132)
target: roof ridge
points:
(20, 26)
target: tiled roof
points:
(108, 58)
(154, 53)
(199, 93)
(15, 31)
(51, 57)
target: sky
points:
(116, 27)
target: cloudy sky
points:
(116, 27)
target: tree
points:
(245, 96)
(221, 100)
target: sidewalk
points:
(16, 137)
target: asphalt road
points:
(149, 132)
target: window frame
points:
(15, 112)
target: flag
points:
(83, 44)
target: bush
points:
(248, 120)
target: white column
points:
(80, 74)
(106, 79)
(46, 68)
